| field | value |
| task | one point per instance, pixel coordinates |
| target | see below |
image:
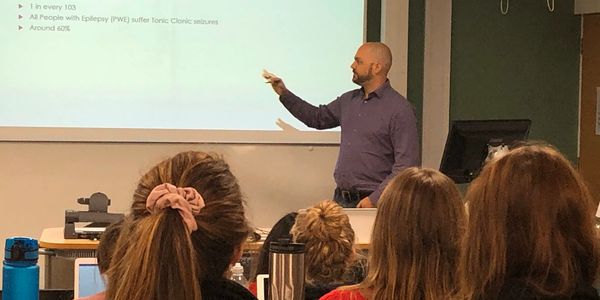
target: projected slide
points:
(171, 64)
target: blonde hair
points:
(329, 239)
(157, 257)
(531, 219)
(416, 238)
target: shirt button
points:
(359, 115)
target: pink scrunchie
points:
(186, 200)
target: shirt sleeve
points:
(318, 117)
(405, 141)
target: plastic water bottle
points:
(237, 275)
(20, 272)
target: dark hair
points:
(107, 245)
(281, 230)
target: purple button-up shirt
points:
(379, 135)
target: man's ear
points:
(377, 68)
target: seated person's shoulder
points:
(343, 294)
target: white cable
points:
(550, 7)
(504, 12)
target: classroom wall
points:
(41, 180)
(589, 160)
(436, 80)
(524, 64)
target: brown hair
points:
(329, 239)
(530, 220)
(158, 259)
(107, 245)
(416, 238)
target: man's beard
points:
(360, 79)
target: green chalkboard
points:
(524, 65)
(416, 50)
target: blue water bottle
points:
(20, 273)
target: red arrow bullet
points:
(20, 27)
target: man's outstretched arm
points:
(318, 117)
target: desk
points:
(60, 257)
(53, 238)
(61, 254)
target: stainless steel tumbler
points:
(286, 270)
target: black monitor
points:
(470, 143)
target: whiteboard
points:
(171, 71)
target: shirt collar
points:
(379, 91)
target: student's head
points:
(107, 245)
(167, 249)
(281, 230)
(329, 239)
(416, 237)
(530, 219)
(372, 60)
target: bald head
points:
(371, 65)
(379, 53)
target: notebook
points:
(88, 280)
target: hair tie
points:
(187, 201)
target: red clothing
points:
(252, 287)
(344, 295)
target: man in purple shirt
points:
(379, 129)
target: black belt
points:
(352, 194)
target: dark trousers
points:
(349, 198)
